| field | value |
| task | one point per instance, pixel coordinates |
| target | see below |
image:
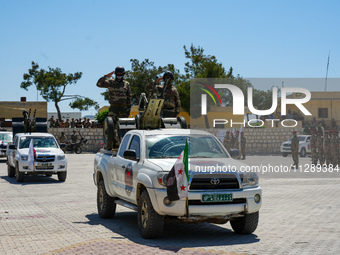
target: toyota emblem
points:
(215, 181)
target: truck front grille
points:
(235, 201)
(208, 181)
(45, 158)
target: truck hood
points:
(202, 164)
(41, 151)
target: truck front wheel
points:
(19, 175)
(10, 170)
(150, 223)
(246, 224)
(62, 176)
(105, 204)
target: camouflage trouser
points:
(335, 158)
(295, 156)
(314, 157)
(243, 151)
(327, 156)
(166, 113)
(116, 113)
(321, 157)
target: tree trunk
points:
(58, 110)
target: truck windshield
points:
(172, 147)
(38, 142)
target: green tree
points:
(52, 86)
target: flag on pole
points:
(178, 178)
(31, 157)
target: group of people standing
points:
(325, 147)
(74, 123)
(235, 142)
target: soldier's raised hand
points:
(110, 74)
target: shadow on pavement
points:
(31, 179)
(175, 235)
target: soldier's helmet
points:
(119, 72)
(168, 77)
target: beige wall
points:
(9, 110)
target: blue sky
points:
(262, 39)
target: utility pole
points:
(327, 71)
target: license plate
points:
(217, 197)
(44, 164)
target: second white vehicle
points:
(49, 158)
(304, 146)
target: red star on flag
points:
(180, 156)
(183, 188)
(180, 171)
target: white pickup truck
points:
(49, 158)
(136, 178)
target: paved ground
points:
(300, 215)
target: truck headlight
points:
(61, 157)
(24, 157)
(250, 179)
(161, 177)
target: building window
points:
(323, 113)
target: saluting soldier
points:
(327, 148)
(168, 92)
(243, 146)
(320, 147)
(119, 99)
(294, 145)
(313, 146)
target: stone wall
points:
(264, 140)
(259, 140)
(94, 136)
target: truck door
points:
(127, 171)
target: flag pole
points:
(187, 207)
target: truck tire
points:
(62, 176)
(105, 204)
(20, 176)
(183, 123)
(303, 152)
(150, 223)
(108, 133)
(246, 224)
(10, 170)
(284, 154)
(78, 149)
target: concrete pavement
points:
(299, 215)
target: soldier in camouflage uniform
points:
(243, 146)
(335, 148)
(119, 98)
(226, 142)
(237, 142)
(327, 148)
(294, 145)
(232, 140)
(73, 123)
(168, 92)
(313, 146)
(320, 147)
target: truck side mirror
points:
(130, 154)
(235, 153)
(11, 147)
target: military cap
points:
(294, 131)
